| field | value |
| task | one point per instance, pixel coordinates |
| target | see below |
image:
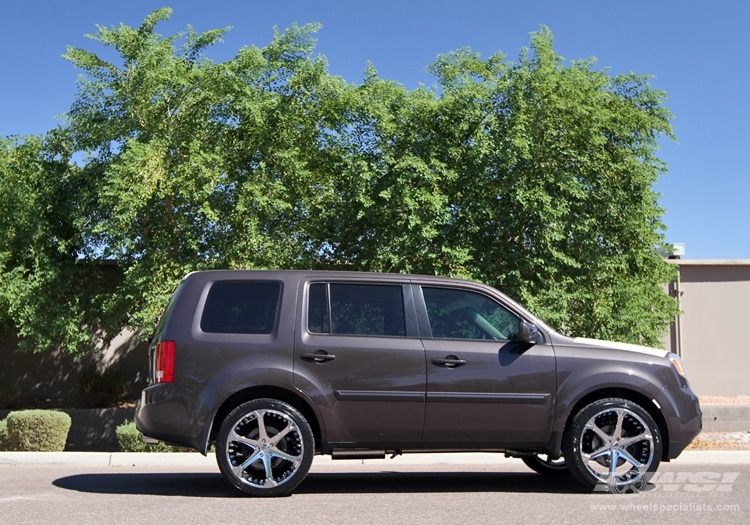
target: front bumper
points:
(685, 420)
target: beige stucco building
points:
(714, 297)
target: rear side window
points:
(356, 309)
(241, 307)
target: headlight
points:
(677, 364)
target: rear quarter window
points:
(241, 307)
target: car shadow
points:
(435, 482)
(213, 485)
(207, 485)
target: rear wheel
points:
(542, 464)
(613, 445)
(265, 448)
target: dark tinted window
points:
(241, 307)
(318, 320)
(356, 309)
(461, 314)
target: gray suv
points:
(274, 367)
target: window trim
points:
(424, 320)
(407, 296)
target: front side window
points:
(241, 307)
(356, 309)
(462, 314)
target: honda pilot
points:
(274, 367)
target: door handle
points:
(450, 361)
(319, 356)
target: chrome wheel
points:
(614, 445)
(265, 448)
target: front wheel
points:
(265, 448)
(545, 466)
(613, 445)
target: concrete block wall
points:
(726, 418)
(55, 375)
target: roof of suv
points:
(326, 274)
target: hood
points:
(621, 346)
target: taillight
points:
(165, 362)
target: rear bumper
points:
(174, 413)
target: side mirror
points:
(528, 333)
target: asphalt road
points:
(492, 491)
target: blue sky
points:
(697, 50)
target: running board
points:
(357, 454)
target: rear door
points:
(482, 387)
(358, 357)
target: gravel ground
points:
(721, 441)
(724, 400)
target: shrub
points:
(131, 440)
(4, 439)
(38, 430)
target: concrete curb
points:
(193, 459)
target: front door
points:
(483, 387)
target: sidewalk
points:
(151, 459)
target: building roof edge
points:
(710, 262)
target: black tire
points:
(613, 445)
(265, 448)
(545, 466)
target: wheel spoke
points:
(598, 453)
(617, 433)
(235, 437)
(267, 464)
(613, 460)
(262, 434)
(257, 454)
(269, 482)
(591, 425)
(644, 436)
(630, 459)
(283, 455)
(278, 437)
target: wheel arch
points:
(631, 395)
(271, 392)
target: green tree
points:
(555, 201)
(535, 177)
(392, 186)
(199, 165)
(45, 291)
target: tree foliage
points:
(533, 176)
